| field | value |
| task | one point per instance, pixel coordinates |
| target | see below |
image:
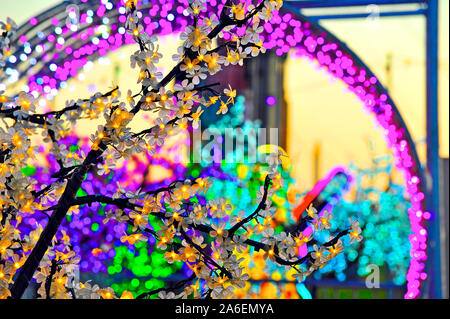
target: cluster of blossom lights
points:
(285, 33)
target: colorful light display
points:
(241, 181)
(98, 243)
(382, 210)
(50, 56)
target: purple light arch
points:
(63, 52)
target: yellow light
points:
(135, 32)
(25, 104)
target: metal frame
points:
(430, 11)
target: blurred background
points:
(321, 125)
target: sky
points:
(320, 113)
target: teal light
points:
(303, 291)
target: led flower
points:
(195, 117)
(218, 230)
(312, 212)
(223, 109)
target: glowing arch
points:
(50, 52)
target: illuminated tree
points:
(190, 232)
(97, 243)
